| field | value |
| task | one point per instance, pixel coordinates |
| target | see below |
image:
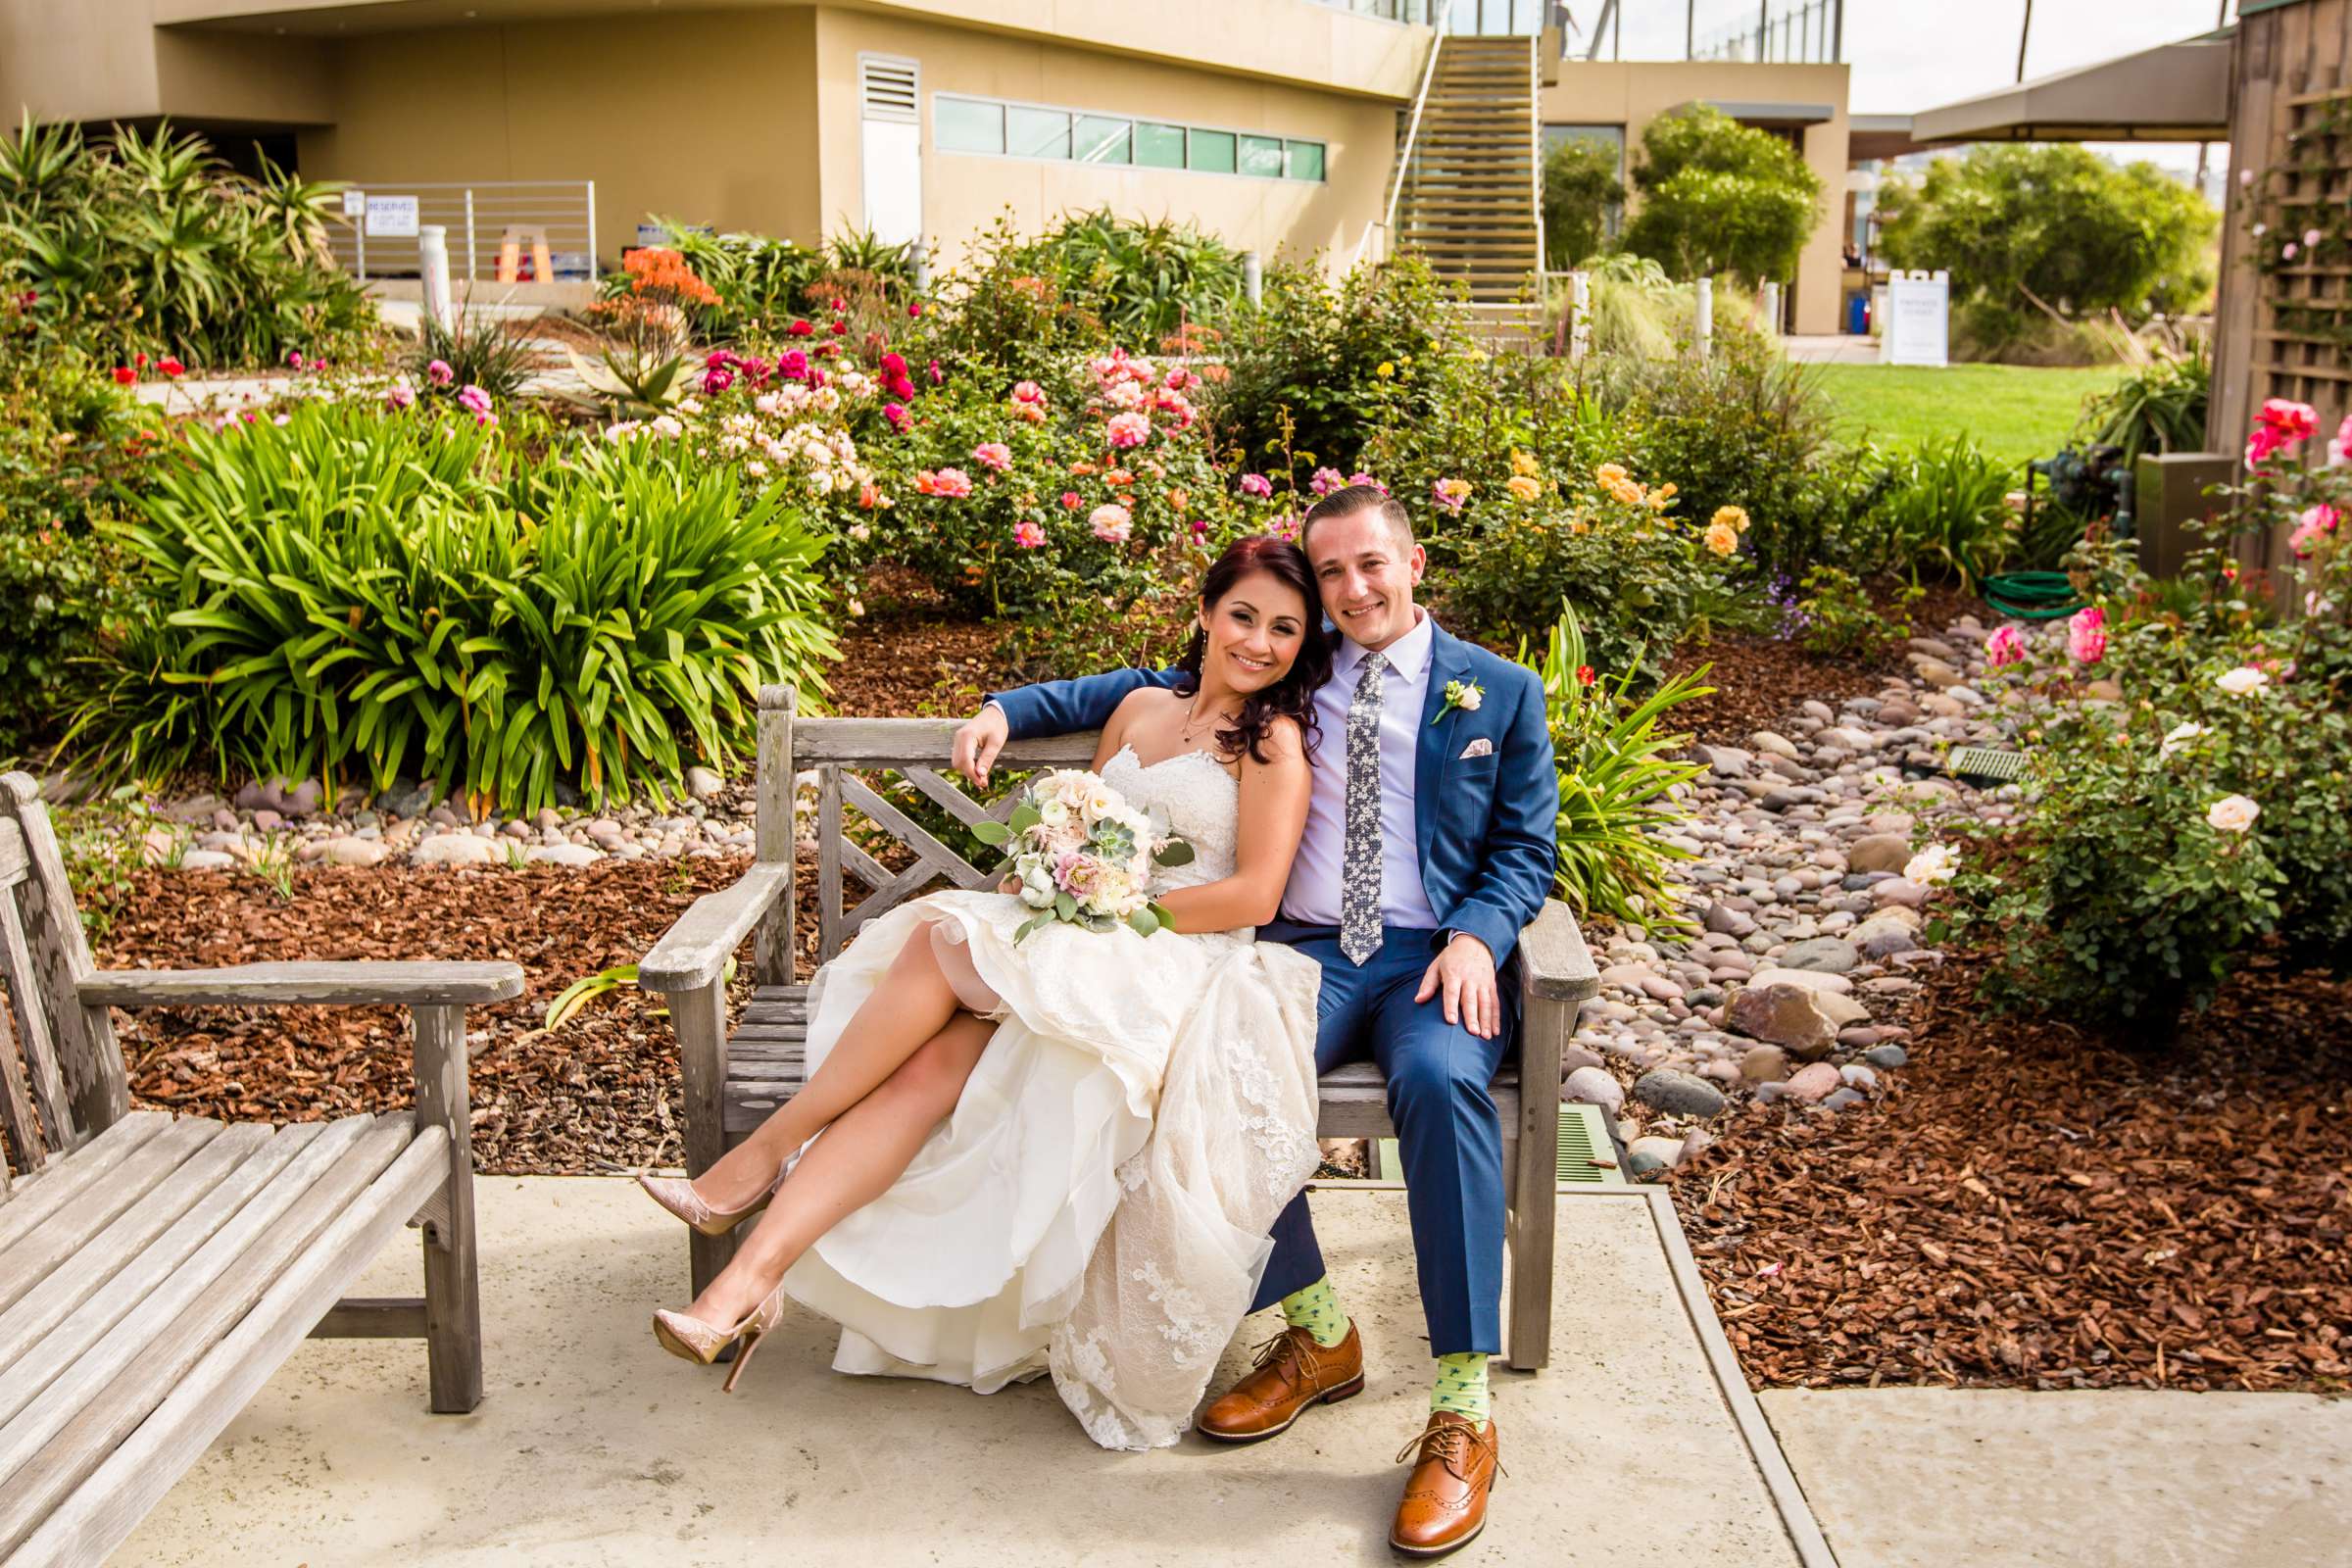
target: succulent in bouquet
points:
(1077, 853)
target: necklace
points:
(1192, 718)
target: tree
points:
(2052, 225)
(1717, 196)
(1580, 186)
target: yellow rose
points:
(1525, 488)
(1722, 537)
(1609, 474)
(1522, 464)
(1732, 517)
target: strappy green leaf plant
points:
(351, 595)
(1617, 778)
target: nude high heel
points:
(678, 1195)
(699, 1342)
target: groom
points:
(1429, 844)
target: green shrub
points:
(1144, 281)
(1304, 385)
(1945, 511)
(148, 244)
(1581, 188)
(1617, 780)
(1721, 197)
(352, 594)
(1741, 428)
(477, 351)
(758, 283)
(2158, 408)
(1836, 617)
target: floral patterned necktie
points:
(1360, 860)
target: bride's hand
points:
(978, 740)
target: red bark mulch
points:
(2027, 1206)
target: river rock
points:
(1803, 1020)
(454, 849)
(1879, 852)
(1729, 921)
(348, 851)
(1813, 1083)
(1678, 1094)
(1828, 955)
(1764, 1064)
(1645, 1156)
(561, 855)
(206, 860)
(1593, 1085)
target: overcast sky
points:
(1910, 55)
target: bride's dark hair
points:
(1292, 697)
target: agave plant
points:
(1617, 775)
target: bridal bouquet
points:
(1083, 855)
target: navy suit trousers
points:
(1447, 1132)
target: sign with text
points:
(391, 218)
(355, 203)
(1919, 317)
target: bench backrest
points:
(61, 1072)
(845, 754)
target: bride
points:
(1063, 1153)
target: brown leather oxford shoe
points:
(1445, 1504)
(1291, 1373)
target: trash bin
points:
(1857, 314)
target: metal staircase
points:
(1467, 168)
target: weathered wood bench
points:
(732, 1082)
(154, 1270)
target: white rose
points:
(1037, 886)
(1054, 814)
(2242, 680)
(2178, 736)
(1935, 863)
(2232, 813)
(1099, 803)
(1470, 699)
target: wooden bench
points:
(154, 1270)
(732, 1082)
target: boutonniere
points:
(1465, 695)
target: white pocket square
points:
(1481, 747)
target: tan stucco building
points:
(1274, 122)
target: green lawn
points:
(2013, 410)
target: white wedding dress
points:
(1099, 1202)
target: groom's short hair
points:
(1348, 500)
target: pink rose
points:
(2086, 635)
(2006, 646)
(2315, 524)
(1071, 501)
(473, 400)
(717, 379)
(400, 396)
(952, 483)
(438, 370)
(1326, 481)
(1028, 535)
(896, 413)
(1257, 484)
(1128, 430)
(1111, 522)
(1028, 392)
(993, 455)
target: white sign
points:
(391, 218)
(354, 203)
(1918, 318)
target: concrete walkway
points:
(1831, 348)
(1919, 1477)
(593, 1447)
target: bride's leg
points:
(910, 1004)
(860, 1154)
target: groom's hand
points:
(978, 740)
(1464, 974)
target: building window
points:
(967, 126)
(1062, 135)
(1160, 146)
(1102, 141)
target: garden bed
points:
(2030, 1208)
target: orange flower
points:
(1083, 468)
(656, 271)
(1118, 476)
(1179, 499)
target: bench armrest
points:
(361, 984)
(1555, 964)
(694, 952)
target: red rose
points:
(171, 367)
(800, 329)
(124, 376)
(1584, 674)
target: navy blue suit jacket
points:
(1486, 826)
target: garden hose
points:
(2033, 595)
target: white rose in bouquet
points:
(1082, 855)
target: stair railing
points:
(1386, 222)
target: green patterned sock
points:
(1461, 1385)
(1316, 1309)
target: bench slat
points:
(196, 1198)
(26, 1261)
(203, 1399)
(28, 1011)
(77, 1421)
(35, 1201)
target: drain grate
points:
(1584, 1145)
(1982, 762)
